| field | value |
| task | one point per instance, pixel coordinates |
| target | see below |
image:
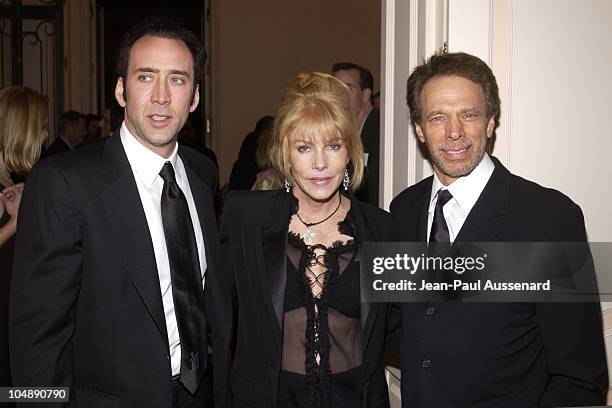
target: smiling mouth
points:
(456, 153)
(159, 118)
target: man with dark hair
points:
(92, 122)
(72, 132)
(361, 87)
(116, 243)
(487, 354)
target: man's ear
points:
(490, 127)
(196, 98)
(367, 95)
(419, 132)
(120, 92)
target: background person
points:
(360, 83)
(73, 132)
(23, 130)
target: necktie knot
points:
(444, 197)
(167, 173)
(439, 229)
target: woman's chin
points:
(319, 195)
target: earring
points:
(346, 181)
(287, 185)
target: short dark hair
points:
(263, 123)
(91, 117)
(69, 118)
(165, 28)
(366, 80)
(460, 64)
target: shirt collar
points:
(145, 163)
(68, 142)
(466, 189)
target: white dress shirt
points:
(465, 191)
(146, 166)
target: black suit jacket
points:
(370, 136)
(58, 146)
(86, 307)
(254, 233)
(501, 354)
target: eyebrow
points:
(441, 112)
(434, 113)
(325, 140)
(157, 71)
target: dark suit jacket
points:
(255, 231)
(501, 354)
(86, 307)
(58, 146)
(370, 136)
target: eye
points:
(177, 80)
(303, 148)
(335, 146)
(145, 78)
(436, 119)
(470, 115)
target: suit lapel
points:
(485, 221)
(422, 213)
(413, 225)
(369, 311)
(128, 222)
(272, 265)
(202, 198)
(271, 246)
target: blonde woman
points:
(23, 118)
(268, 178)
(303, 337)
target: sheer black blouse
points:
(321, 365)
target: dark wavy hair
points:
(165, 28)
(460, 64)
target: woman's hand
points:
(11, 198)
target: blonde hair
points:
(23, 113)
(316, 105)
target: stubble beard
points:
(456, 169)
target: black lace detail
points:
(347, 225)
(317, 328)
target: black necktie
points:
(186, 277)
(439, 228)
(439, 242)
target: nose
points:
(455, 129)
(320, 160)
(161, 93)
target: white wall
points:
(552, 60)
(561, 105)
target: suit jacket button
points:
(426, 363)
(167, 357)
(430, 311)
